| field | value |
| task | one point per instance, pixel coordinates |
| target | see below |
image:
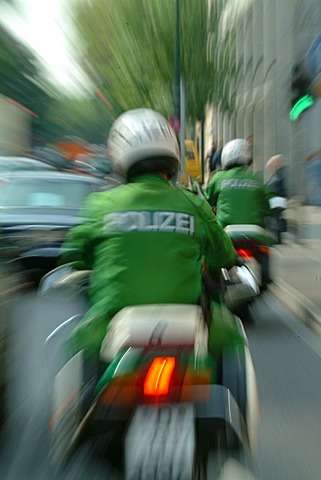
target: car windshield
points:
(44, 193)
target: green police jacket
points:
(240, 197)
(145, 243)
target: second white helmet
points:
(235, 152)
(142, 140)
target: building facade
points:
(262, 41)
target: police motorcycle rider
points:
(239, 196)
(145, 241)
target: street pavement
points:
(296, 266)
(283, 351)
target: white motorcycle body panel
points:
(253, 404)
(64, 421)
(166, 325)
(250, 229)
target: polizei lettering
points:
(145, 221)
(234, 183)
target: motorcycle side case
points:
(241, 286)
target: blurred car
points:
(3, 355)
(12, 164)
(50, 156)
(36, 211)
(10, 282)
(82, 167)
(97, 164)
(102, 164)
(11, 276)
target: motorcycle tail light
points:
(159, 375)
(247, 254)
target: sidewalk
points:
(296, 267)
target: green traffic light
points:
(301, 105)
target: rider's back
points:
(239, 197)
(147, 244)
(145, 241)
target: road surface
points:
(286, 355)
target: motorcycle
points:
(162, 407)
(253, 244)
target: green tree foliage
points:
(20, 75)
(221, 56)
(196, 68)
(22, 80)
(85, 117)
(128, 51)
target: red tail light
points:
(247, 254)
(159, 375)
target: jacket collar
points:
(150, 177)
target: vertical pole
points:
(183, 119)
(177, 99)
(203, 146)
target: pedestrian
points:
(216, 159)
(210, 156)
(276, 182)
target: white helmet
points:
(235, 152)
(141, 141)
